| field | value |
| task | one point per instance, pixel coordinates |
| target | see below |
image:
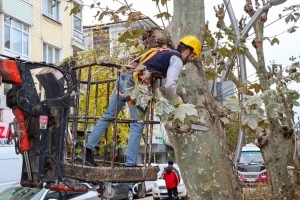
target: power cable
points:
(222, 94)
(162, 21)
(217, 46)
(220, 27)
(132, 12)
(132, 9)
(275, 21)
(255, 32)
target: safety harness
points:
(138, 72)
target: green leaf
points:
(102, 15)
(219, 35)
(75, 10)
(135, 15)
(223, 51)
(254, 100)
(184, 111)
(274, 109)
(233, 105)
(122, 9)
(163, 14)
(271, 94)
(130, 35)
(115, 18)
(128, 22)
(209, 60)
(225, 120)
(126, 35)
(164, 109)
(251, 121)
(163, 2)
(210, 74)
(98, 12)
(137, 33)
(292, 29)
(255, 86)
(274, 40)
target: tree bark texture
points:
(203, 157)
(277, 149)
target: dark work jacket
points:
(161, 60)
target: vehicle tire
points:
(156, 198)
(129, 195)
(141, 190)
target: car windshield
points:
(19, 193)
(251, 157)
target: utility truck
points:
(46, 100)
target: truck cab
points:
(252, 169)
(10, 161)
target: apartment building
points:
(39, 30)
(93, 35)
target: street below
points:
(148, 198)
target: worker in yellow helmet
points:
(193, 43)
(169, 64)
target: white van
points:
(252, 169)
(10, 162)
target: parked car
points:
(119, 191)
(26, 193)
(252, 169)
(159, 189)
(142, 189)
(10, 162)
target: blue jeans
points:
(136, 129)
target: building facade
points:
(39, 30)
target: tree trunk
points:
(277, 150)
(203, 157)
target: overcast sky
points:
(289, 43)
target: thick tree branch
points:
(220, 14)
(251, 59)
(234, 79)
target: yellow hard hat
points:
(193, 42)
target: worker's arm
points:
(173, 74)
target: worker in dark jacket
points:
(172, 179)
(167, 62)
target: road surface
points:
(147, 198)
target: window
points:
(51, 54)
(51, 8)
(16, 37)
(78, 19)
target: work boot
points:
(89, 157)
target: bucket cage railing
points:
(83, 117)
